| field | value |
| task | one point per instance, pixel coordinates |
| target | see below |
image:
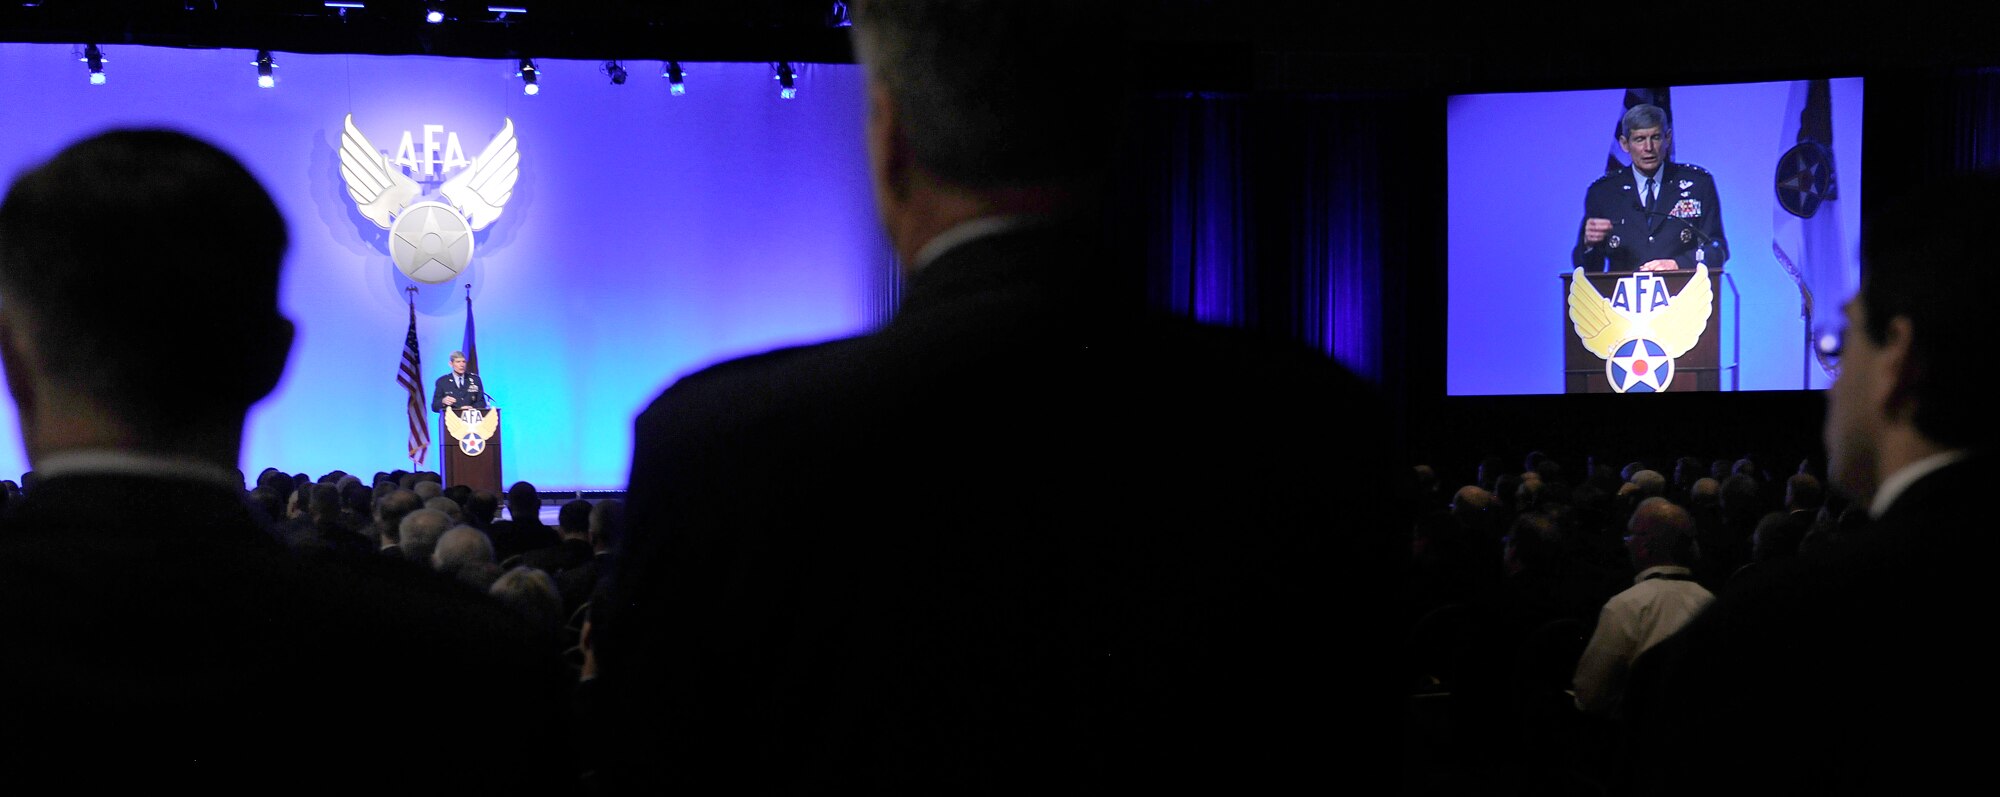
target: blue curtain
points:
(1267, 213)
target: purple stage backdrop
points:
(649, 235)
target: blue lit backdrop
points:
(649, 235)
(1519, 164)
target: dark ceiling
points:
(736, 30)
(1197, 45)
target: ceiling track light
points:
(433, 13)
(95, 59)
(264, 64)
(787, 81)
(530, 78)
(676, 79)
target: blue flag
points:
(1806, 234)
(468, 346)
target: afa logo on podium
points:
(472, 428)
(430, 240)
(1641, 328)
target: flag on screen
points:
(1806, 234)
(410, 376)
(471, 349)
(1661, 97)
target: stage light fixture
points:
(264, 66)
(95, 58)
(676, 79)
(530, 79)
(616, 71)
(341, 9)
(787, 81)
(434, 13)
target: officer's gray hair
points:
(1641, 117)
(970, 83)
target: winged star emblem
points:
(431, 241)
(1673, 329)
(471, 428)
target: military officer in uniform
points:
(458, 389)
(1655, 215)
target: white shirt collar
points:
(1659, 180)
(126, 463)
(1672, 570)
(966, 232)
(1893, 487)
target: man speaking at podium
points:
(458, 389)
(1655, 215)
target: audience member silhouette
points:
(573, 526)
(607, 520)
(1849, 670)
(159, 639)
(1663, 598)
(419, 533)
(1026, 535)
(389, 514)
(523, 530)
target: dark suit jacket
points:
(1851, 671)
(1688, 217)
(562, 556)
(1022, 535)
(155, 633)
(515, 537)
(472, 395)
(577, 583)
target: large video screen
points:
(645, 234)
(1705, 253)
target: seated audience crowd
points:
(1534, 592)
(1529, 598)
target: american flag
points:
(409, 376)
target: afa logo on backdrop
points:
(430, 235)
(1641, 328)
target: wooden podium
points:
(474, 463)
(1699, 369)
